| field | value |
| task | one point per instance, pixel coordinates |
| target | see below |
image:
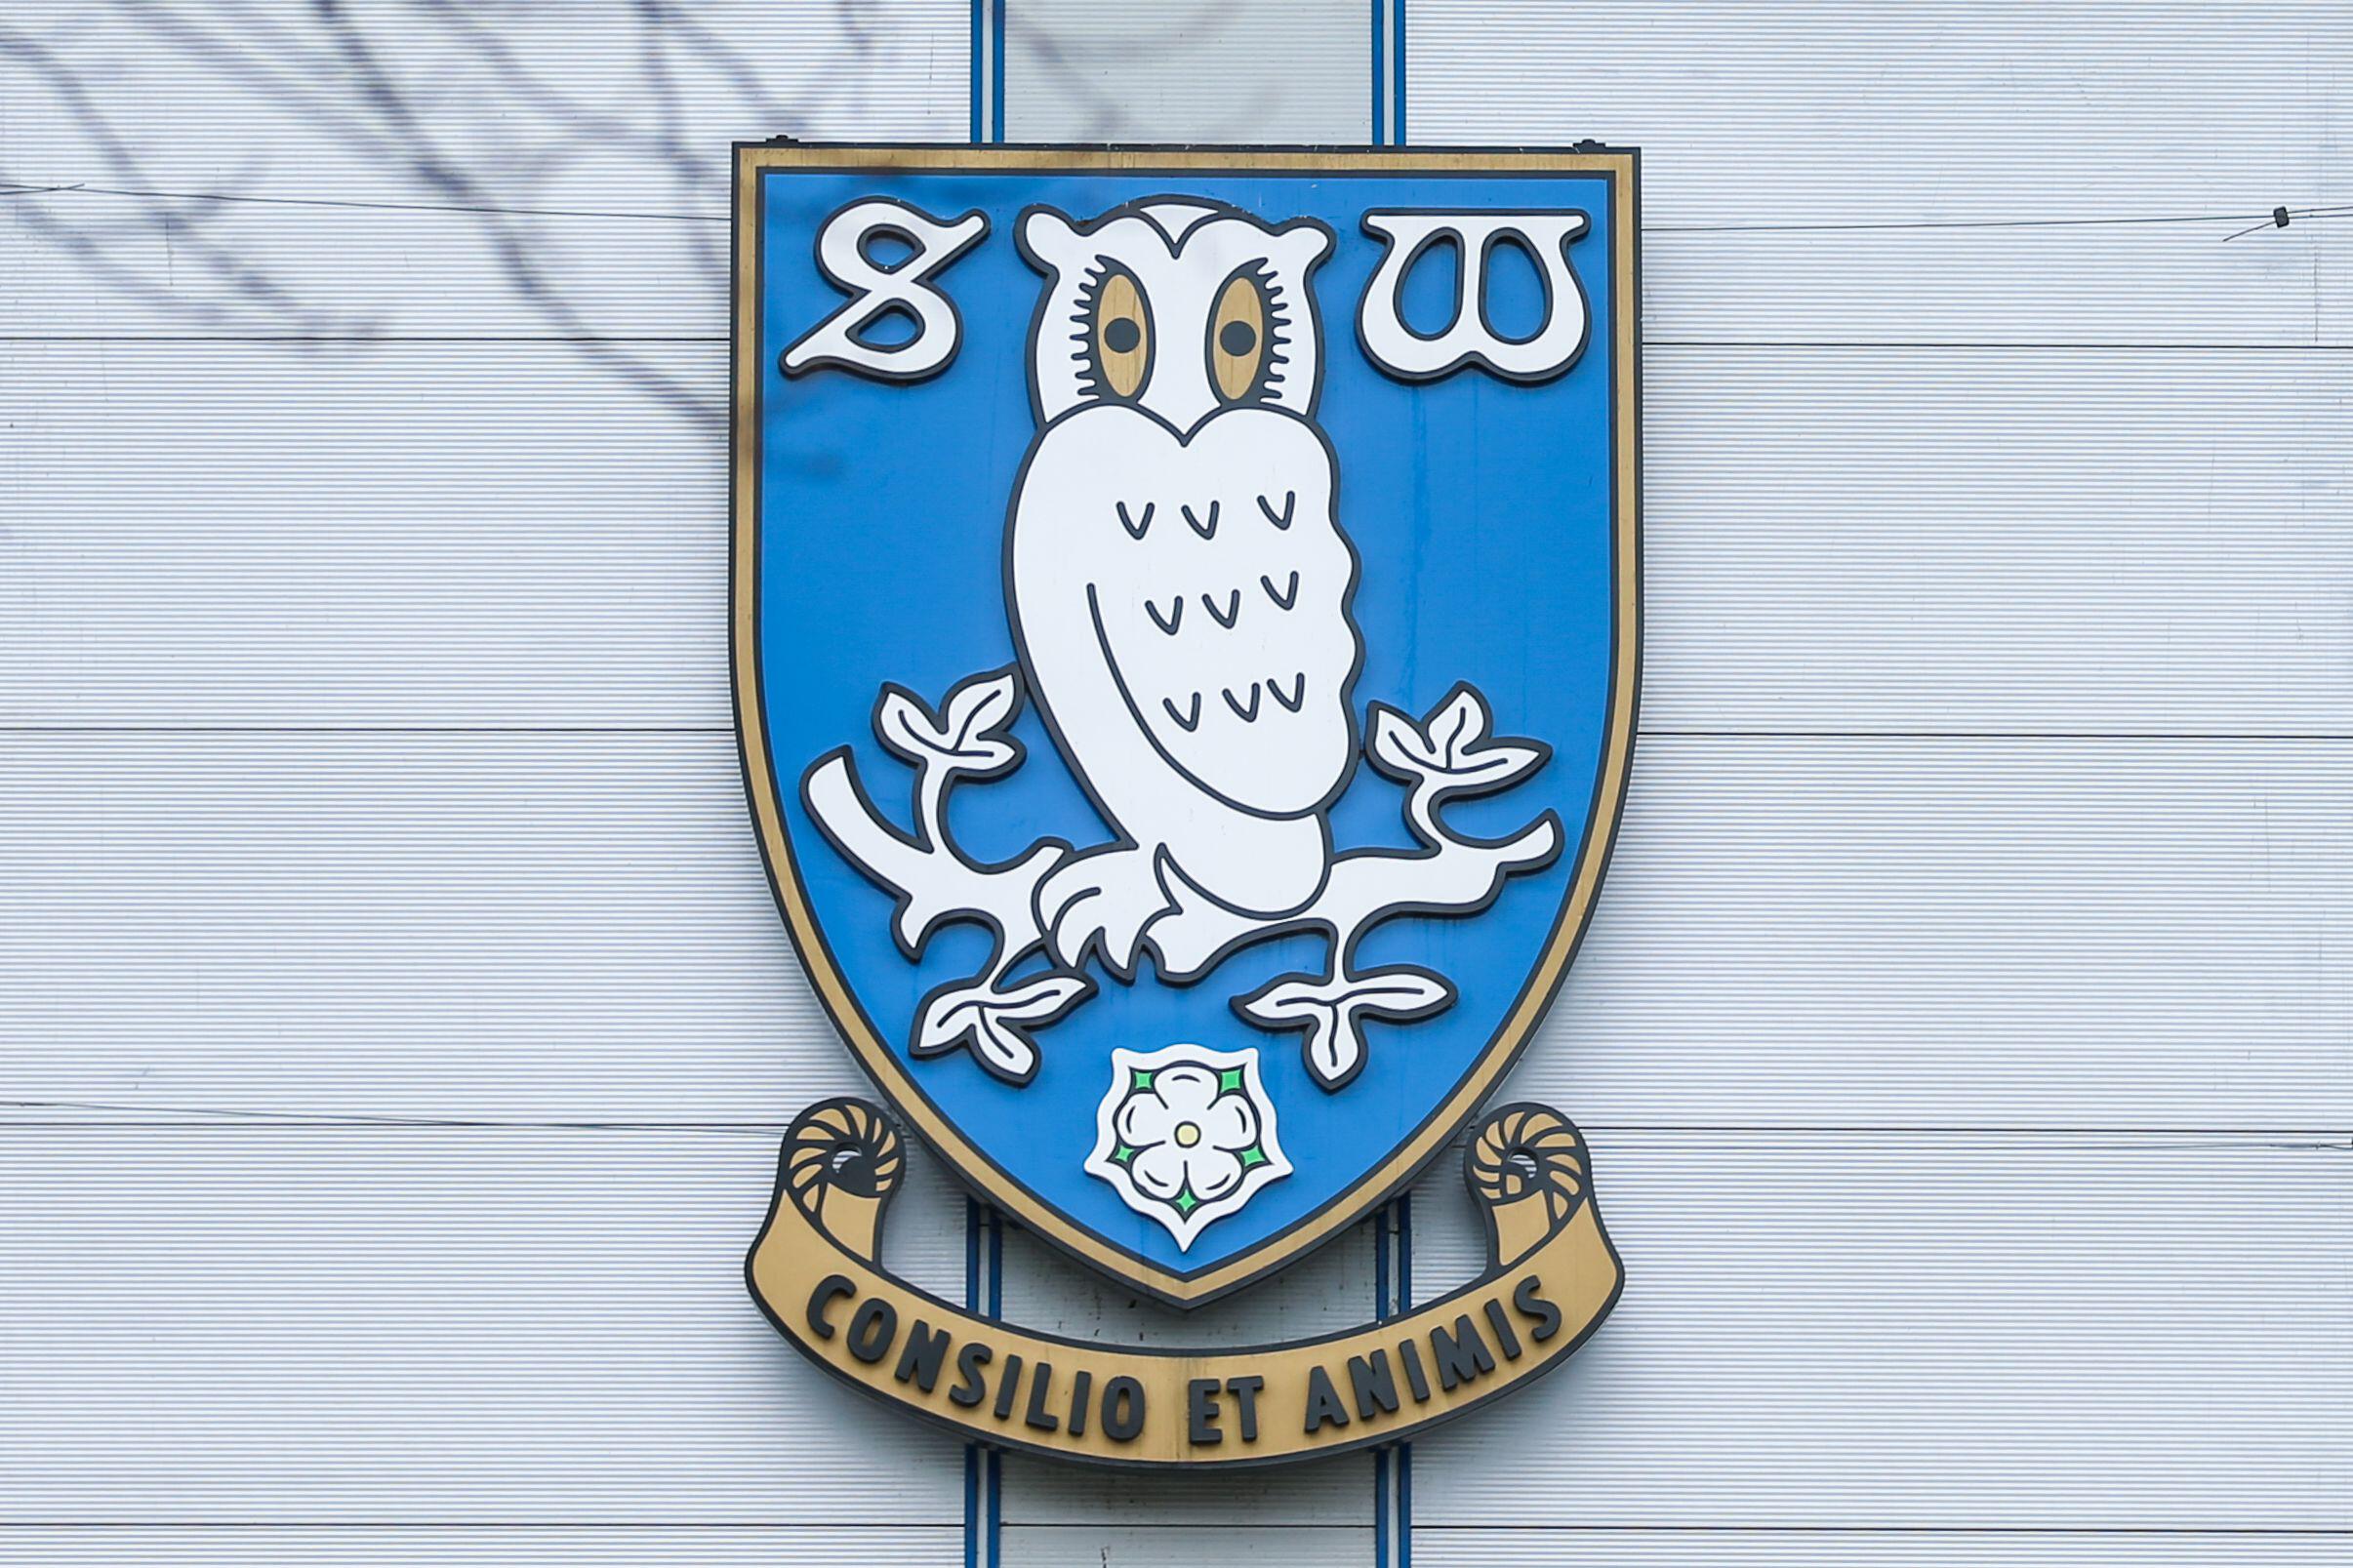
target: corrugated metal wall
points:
(395, 1025)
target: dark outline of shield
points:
(1621, 167)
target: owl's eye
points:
(1119, 334)
(1241, 357)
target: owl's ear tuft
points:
(1046, 238)
(1304, 244)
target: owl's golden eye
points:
(1119, 334)
(1240, 357)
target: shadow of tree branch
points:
(465, 108)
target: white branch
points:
(1363, 889)
(934, 883)
(1446, 755)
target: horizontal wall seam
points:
(2282, 1137)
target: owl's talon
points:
(1102, 902)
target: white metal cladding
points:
(1961, 1034)
(1866, 931)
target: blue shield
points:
(1185, 633)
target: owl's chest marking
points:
(1208, 581)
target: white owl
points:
(1176, 576)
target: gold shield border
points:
(970, 1163)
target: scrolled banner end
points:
(1551, 1276)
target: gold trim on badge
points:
(965, 1159)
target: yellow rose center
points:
(1187, 1134)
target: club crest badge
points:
(1185, 641)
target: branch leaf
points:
(981, 705)
(1001, 1049)
(1044, 998)
(1456, 723)
(997, 1023)
(968, 739)
(903, 724)
(1395, 743)
(1449, 749)
(1495, 766)
(1332, 1011)
(1295, 999)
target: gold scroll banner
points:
(1551, 1276)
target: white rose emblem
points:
(1186, 1135)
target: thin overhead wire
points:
(2281, 216)
(2277, 217)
